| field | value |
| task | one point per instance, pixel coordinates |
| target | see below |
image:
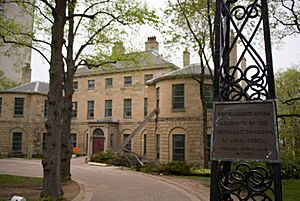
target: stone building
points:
(149, 107)
(15, 61)
(22, 120)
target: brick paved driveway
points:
(106, 183)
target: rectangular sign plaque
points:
(245, 131)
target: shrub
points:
(290, 169)
(202, 172)
(108, 157)
(121, 161)
(179, 168)
(151, 168)
(173, 168)
(290, 165)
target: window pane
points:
(74, 109)
(108, 108)
(111, 140)
(19, 106)
(145, 143)
(17, 143)
(148, 77)
(145, 107)
(73, 140)
(208, 145)
(157, 146)
(127, 80)
(178, 96)
(127, 108)
(0, 105)
(91, 84)
(75, 85)
(108, 82)
(178, 147)
(157, 97)
(46, 105)
(44, 143)
(208, 93)
(90, 109)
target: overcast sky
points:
(287, 55)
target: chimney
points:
(243, 64)
(186, 58)
(118, 49)
(26, 74)
(151, 44)
(233, 54)
(243, 68)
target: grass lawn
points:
(12, 180)
(290, 190)
(31, 187)
(28, 187)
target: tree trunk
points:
(204, 130)
(66, 125)
(51, 162)
(204, 111)
(66, 151)
(67, 115)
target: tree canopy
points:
(5, 82)
(287, 85)
(69, 34)
(190, 24)
(285, 18)
(97, 26)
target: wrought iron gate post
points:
(233, 83)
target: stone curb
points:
(86, 192)
(97, 164)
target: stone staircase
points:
(131, 156)
(142, 124)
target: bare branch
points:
(200, 44)
(290, 100)
(84, 13)
(35, 7)
(284, 23)
(90, 65)
(40, 41)
(47, 3)
(211, 31)
(294, 16)
(24, 34)
(25, 45)
(288, 115)
(43, 14)
(89, 42)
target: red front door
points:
(98, 144)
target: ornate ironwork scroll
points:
(247, 183)
(243, 22)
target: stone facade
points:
(15, 62)
(103, 116)
(30, 124)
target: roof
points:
(132, 61)
(32, 87)
(189, 71)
